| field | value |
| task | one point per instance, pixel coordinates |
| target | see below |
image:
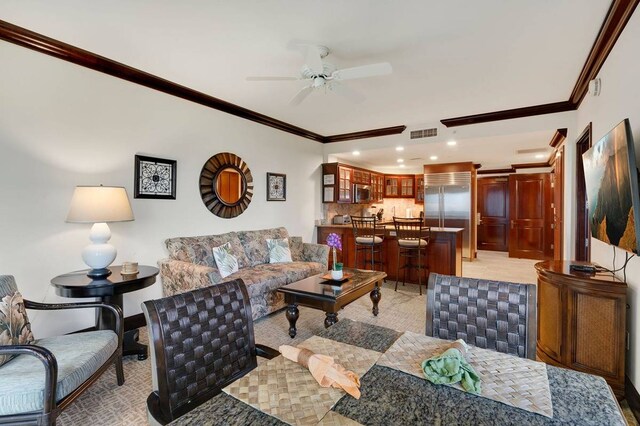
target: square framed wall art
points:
(276, 187)
(154, 178)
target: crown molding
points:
(374, 133)
(509, 114)
(530, 165)
(558, 137)
(58, 49)
(614, 23)
(496, 171)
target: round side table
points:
(110, 290)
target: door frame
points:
(583, 232)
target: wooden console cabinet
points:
(582, 321)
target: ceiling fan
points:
(325, 75)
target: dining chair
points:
(494, 315)
(413, 247)
(31, 394)
(201, 341)
(368, 237)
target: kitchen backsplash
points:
(401, 205)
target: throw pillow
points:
(15, 328)
(227, 262)
(279, 251)
(297, 247)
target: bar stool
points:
(368, 239)
(413, 243)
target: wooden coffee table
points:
(318, 293)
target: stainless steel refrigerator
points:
(447, 203)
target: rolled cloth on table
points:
(451, 367)
(324, 369)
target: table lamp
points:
(99, 205)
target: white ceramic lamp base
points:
(100, 254)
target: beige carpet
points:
(107, 404)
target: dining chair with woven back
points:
(201, 341)
(413, 247)
(369, 237)
(495, 315)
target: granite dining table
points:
(393, 397)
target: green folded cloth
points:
(451, 367)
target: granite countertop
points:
(391, 228)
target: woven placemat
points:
(288, 391)
(514, 381)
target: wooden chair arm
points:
(50, 370)
(116, 310)
(266, 351)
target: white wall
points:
(62, 125)
(620, 99)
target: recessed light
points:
(452, 143)
(400, 160)
(356, 152)
(402, 165)
(399, 148)
(539, 155)
(433, 157)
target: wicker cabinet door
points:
(596, 340)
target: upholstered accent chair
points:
(488, 314)
(44, 377)
(201, 341)
(368, 236)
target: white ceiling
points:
(450, 59)
(493, 153)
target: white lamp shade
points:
(91, 204)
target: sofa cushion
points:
(279, 251)
(15, 328)
(255, 243)
(78, 355)
(199, 250)
(271, 276)
(227, 263)
(297, 247)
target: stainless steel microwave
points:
(361, 193)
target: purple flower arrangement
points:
(333, 241)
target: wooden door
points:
(493, 209)
(558, 205)
(529, 197)
(345, 179)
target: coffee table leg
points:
(375, 298)
(330, 319)
(292, 315)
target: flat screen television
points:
(613, 197)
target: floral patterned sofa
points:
(191, 265)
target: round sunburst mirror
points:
(226, 185)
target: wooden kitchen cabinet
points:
(361, 176)
(419, 198)
(337, 183)
(399, 186)
(377, 188)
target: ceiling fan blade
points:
(314, 60)
(347, 92)
(300, 96)
(271, 78)
(363, 71)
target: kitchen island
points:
(444, 254)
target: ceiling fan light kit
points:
(320, 74)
